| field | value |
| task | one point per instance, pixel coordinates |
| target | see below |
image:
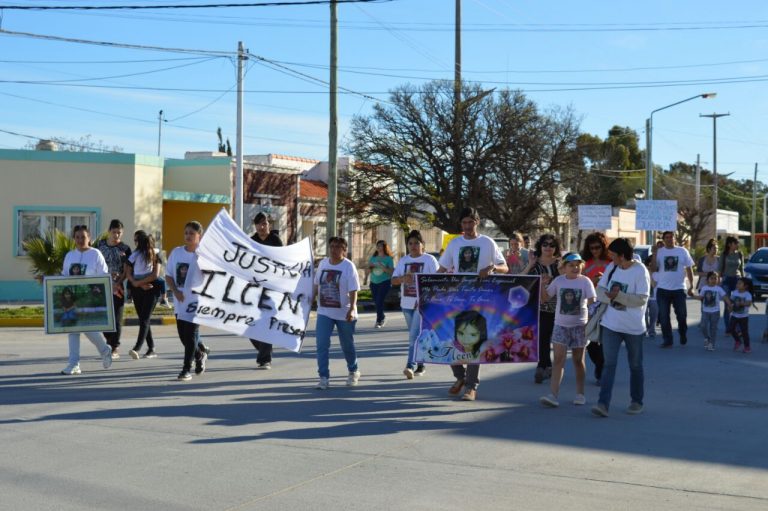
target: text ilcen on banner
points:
(595, 217)
(253, 290)
(465, 319)
(656, 215)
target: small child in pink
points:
(574, 292)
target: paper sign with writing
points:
(594, 217)
(465, 319)
(257, 291)
(656, 215)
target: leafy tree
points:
(509, 154)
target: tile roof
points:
(311, 189)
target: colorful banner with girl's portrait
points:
(465, 319)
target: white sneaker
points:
(549, 401)
(106, 358)
(134, 354)
(353, 378)
(580, 399)
(323, 384)
(71, 369)
(408, 372)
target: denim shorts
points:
(570, 336)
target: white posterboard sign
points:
(594, 217)
(656, 215)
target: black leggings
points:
(188, 334)
(145, 302)
(113, 338)
(546, 325)
(740, 330)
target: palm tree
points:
(47, 253)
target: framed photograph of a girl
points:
(78, 304)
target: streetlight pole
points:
(714, 162)
(649, 149)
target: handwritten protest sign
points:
(465, 319)
(253, 290)
(656, 215)
(594, 217)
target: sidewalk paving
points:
(133, 437)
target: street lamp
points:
(649, 147)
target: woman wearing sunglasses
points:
(544, 261)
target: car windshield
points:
(760, 257)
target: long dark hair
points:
(592, 238)
(476, 320)
(145, 245)
(730, 240)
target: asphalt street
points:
(237, 438)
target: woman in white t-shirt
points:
(84, 260)
(142, 271)
(336, 287)
(405, 276)
(625, 287)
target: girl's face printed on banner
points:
(467, 335)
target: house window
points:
(35, 223)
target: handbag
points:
(593, 325)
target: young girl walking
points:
(710, 295)
(181, 266)
(84, 260)
(142, 270)
(417, 261)
(741, 299)
(574, 292)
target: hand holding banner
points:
(250, 289)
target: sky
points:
(613, 63)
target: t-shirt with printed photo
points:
(618, 286)
(182, 269)
(671, 263)
(710, 298)
(570, 302)
(330, 293)
(469, 256)
(407, 267)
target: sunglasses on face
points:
(550, 244)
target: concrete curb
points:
(39, 322)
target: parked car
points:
(757, 270)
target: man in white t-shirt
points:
(673, 264)
(478, 254)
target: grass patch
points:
(36, 311)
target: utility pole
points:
(754, 209)
(698, 182)
(714, 162)
(159, 130)
(237, 203)
(457, 110)
(333, 130)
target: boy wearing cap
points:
(574, 293)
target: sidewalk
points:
(133, 437)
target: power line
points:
(180, 6)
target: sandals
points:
(456, 387)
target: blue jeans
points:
(379, 292)
(728, 285)
(675, 298)
(323, 331)
(651, 317)
(611, 341)
(413, 324)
